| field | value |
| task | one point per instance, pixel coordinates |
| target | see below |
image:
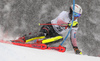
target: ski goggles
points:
(77, 14)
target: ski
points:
(59, 48)
(35, 45)
(38, 46)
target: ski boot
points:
(77, 51)
(38, 41)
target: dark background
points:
(18, 17)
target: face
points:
(76, 15)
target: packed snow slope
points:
(17, 53)
(19, 17)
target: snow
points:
(10, 52)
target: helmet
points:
(78, 8)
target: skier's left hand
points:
(75, 24)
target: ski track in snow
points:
(18, 53)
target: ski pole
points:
(71, 25)
(54, 24)
(48, 24)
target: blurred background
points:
(19, 17)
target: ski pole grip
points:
(39, 24)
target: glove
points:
(77, 51)
(75, 24)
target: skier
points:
(53, 33)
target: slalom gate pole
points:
(71, 24)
